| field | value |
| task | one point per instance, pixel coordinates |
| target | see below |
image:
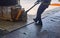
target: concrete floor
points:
(50, 28)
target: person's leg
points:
(39, 12)
(39, 21)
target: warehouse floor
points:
(50, 28)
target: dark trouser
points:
(40, 11)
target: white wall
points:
(55, 1)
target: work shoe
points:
(39, 23)
(35, 20)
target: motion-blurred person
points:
(42, 7)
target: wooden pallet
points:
(8, 26)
